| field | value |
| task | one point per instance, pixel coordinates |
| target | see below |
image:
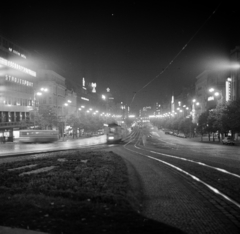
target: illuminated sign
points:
(18, 67)
(94, 85)
(83, 98)
(83, 82)
(228, 89)
(17, 53)
(19, 81)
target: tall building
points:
(17, 82)
(235, 74)
(205, 81)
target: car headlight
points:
(111, 138)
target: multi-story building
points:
(54, 98)
(17, 83)
(207, 80)
(234, 79)
(70, 103)
(57, 97)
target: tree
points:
(75, 123)
(232, 116)
(47, 118)
(203, 123)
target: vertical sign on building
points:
(228, 89)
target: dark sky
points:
(125, 44)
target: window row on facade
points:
(13, 101)
(7, 116)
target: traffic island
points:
(84, 192)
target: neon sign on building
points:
(17, 67)
(228, 89)
(19, 81)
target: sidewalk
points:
(205, 139)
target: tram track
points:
(217, 185)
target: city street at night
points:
(182, 182)
(119, 117)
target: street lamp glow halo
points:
(235, 66)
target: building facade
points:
(210, 81)
(235, 74)
(17, 82)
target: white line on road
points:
(192, 161)
(216, 191)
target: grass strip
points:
(86, 191)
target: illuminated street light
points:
(216, 93)
(39, 94)
(44, 89)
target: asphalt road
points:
(184, 183)
(189, 185)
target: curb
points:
(8, 230)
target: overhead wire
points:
(177, 55)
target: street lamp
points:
(216, 93)
(36, 102)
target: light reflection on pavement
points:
(19, 148)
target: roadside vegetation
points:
(216, 122)
(71, 192)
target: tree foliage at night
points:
(221, 120)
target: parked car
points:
(228, 141)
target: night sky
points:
(124, 45)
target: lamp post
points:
(105, 98)
(36, 101)
(195, 104)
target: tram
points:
(114, 133)
(38, 136)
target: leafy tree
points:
(232, 116)
(47, 118)
(75, 123)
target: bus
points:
(38, 136)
